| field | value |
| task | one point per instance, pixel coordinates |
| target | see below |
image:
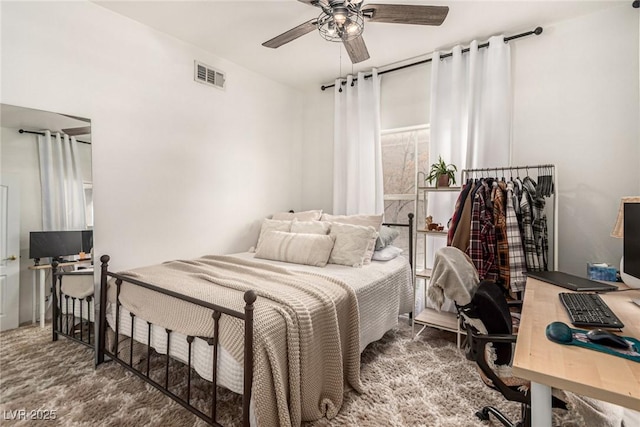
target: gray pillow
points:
(386, 237)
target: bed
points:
(288, 337)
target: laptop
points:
(569, 281)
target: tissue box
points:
(601, 271)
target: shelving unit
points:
(430, 317)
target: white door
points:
(9, 253)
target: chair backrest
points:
(489, 306)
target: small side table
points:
(39, 278)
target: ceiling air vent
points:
(208, 75)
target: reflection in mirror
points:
(46, 185)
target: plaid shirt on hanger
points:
(517, 261)
(500, 223)
(530, 252)
(539, 224)
(482, 247)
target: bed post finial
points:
(250, 296)
(104, 259)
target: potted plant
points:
(442, 173)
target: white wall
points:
(576, 104)
(180, 169)
(19, 158)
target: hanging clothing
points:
(462, 234)
(482, 244)
(517, 262)
(500, 223)
(526, 209)
(458, 211)
(539, 223)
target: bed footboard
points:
(71, 316)
(144, 373)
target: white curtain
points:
(470, 112)
(470, 119)
(63, 206)
(357, 156)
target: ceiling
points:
(235, 30)
(36, 120)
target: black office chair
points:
(487, 319)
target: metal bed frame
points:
(216, 312)
(65, 323)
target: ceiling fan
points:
(343, 21)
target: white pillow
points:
(351, 243)
(300, 216)
(310, 227)
(298, 248)
(272, 225)
(387, 236)
(374, 221)
(386, 254)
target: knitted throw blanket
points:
(306, 328)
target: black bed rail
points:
(65, 322)
(217, 311)
(409, 224)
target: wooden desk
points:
(39, 279)
(579, 370)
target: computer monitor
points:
(87, 240)
(55, 244)
(631, 245)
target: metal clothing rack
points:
(471, 173)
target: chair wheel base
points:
(483, 414)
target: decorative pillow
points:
(310, 227)
(374, 221)
(272, 225)
(386, 237)
(300, 216)
(386, 254)
(298, 248)
(351, 243)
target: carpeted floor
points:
(426, 382)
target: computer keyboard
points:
(588, 309)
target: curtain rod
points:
(42, 133)
(537, 32)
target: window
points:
(405, 152)
(88, 203)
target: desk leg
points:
(540, 405)
(42, 297)
(34, 295)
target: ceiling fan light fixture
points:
(331, 29)
(335, 30)
(340, 14)
(352, 28)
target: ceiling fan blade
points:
(292, 34)
(315, 2)
(77, 131)
(406, 14)
(356, 49)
